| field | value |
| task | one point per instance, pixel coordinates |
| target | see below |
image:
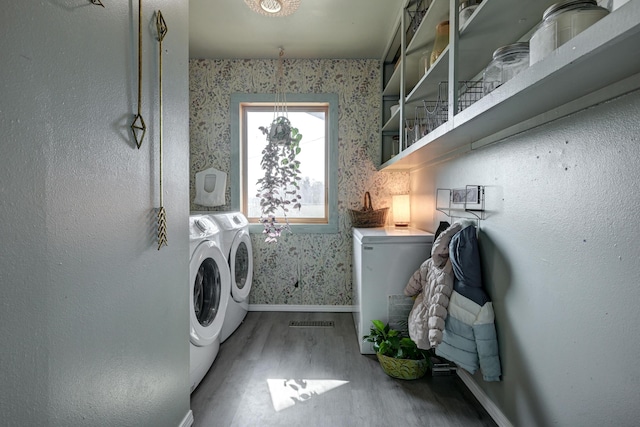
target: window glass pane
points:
(311, 123)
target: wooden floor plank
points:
(237, 391)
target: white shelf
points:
(605, 53)
(437, 12)
(494, 24)
(393, 87)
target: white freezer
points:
(383, 261)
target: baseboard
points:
(187, 421)
(491, 408)
(304, 308)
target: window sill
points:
(301, 228)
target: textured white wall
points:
(561, 261)
(94, 318)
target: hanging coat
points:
(469, 339)
(432, 285)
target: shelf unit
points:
(602, 55)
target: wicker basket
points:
(367, 217)
(404, 369)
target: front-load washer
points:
(236, 244)
(209, 288)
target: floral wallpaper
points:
(301, 269)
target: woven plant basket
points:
(367, 217)
(404, 369)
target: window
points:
(310, 120)
(315, 116)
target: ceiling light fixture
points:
(273, 7)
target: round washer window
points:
(206, 292)
(241, 265)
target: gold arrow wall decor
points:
(138, 127)
(162, 29)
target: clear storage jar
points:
(466, 9)
(423, 64)
(560, 23)
(441, 41)
(507, 61)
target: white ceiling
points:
(334, 29)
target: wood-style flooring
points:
(269, 374)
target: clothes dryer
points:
(236, 245)
(209, 289)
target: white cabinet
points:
(383, 261)
(576, 75)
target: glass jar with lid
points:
(507, 61)
(441, 41)
(466, 9)
(560, 23)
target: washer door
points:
(241, 265)
(210, 285)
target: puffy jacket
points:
(433, 284)
(469, 339)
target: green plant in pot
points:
(278, 188)
(398, 355)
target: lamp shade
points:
(401, 210)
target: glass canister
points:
(423, 63)
(466, 9)
(560, 23)
(409, 132)
(441, 41)
(395, 145)
(507, 61)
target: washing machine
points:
(384, 259)
(236, 244)
(209, 289)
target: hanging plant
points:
(279, 189)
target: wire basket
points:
(437, 111)
(416, 15)
(469, 91)
(367, 217)
(436, 114)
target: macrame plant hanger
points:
(279, 189)
(280, 106)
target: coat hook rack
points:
(463, 203)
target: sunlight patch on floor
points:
(287, 392)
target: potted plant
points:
(278, 188)
(398, 355)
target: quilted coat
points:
(432, 285)
(469, 339)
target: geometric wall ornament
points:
(138, 126)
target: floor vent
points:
(311, 324)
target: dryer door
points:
(241, 265)
(210, 285)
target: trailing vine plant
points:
(279, 188)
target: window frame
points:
(237, 157)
